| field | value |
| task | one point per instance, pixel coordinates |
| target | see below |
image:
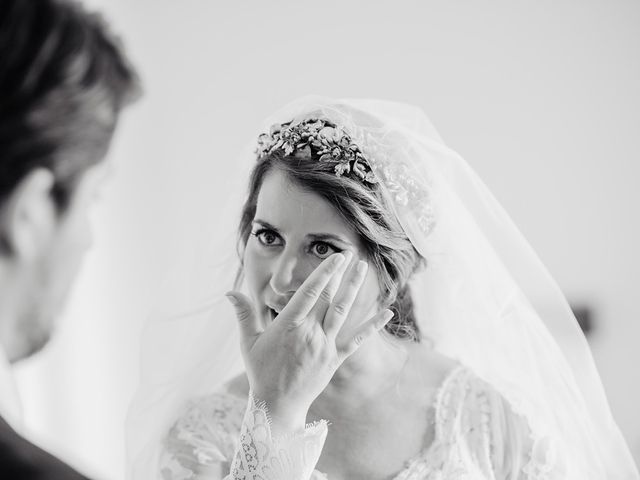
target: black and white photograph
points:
(319, 240)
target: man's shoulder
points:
(19, 458)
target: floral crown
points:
(319, 139)
(325, 141)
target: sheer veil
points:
(484, 299)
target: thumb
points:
(247, 320)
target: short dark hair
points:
(63, 82)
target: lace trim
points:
(462, 409)
(422, 465)
(543, 460)
(172, 469)
(261, 456)
(205, 435)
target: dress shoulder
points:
(204, 437)
(474, 421)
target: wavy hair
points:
(367, 211)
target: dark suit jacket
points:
(21, 460)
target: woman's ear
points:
(28, 217)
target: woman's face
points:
(293, 231)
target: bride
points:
(393, 324)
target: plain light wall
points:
(541, 98)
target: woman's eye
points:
(267, 238)
(322, 249)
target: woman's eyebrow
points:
(265, 224)
(329, 236)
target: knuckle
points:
(325, 296)
(310, 291)
(295, 324)
(340, 308)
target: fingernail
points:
(232, 299)
(362, 267)
(337, 259)
(388, 315)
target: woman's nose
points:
(288, 274)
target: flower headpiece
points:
(327, 142)
(320, 139)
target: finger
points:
(344, 298)
(307, 295)
(248, 321)
(319, 310)
(364, 332)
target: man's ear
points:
(28, 217)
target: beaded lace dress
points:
(476, 437)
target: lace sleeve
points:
(213, 440)
(515, 453)
(262, 456)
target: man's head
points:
(63, 83)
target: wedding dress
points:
(525, 402)
(476, 436)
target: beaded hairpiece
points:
(326, 142)
(320, 139)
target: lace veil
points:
(485, 299)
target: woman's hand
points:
(291, 361)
